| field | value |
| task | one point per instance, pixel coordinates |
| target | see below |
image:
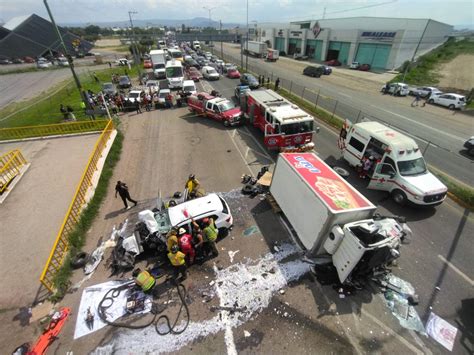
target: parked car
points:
(122, 62)
(152, 86)
(228, 66)
(326, 70)
(43, 64)
(162, 97)
(314, 72)
(396, 89)
(364, 67)
(135, 95)
(5, 61)
(249, 80)
(424, 91)
(194, 74)
(354, 65)
(18, 61)
(28, 60)
(62, 62)
(451, 101)
(192, 63)
(109, 89)
(210, 73)
(469, 145)
(189, 87)
(124, 82)
(147, 64)
(233, 73)
(333, 63)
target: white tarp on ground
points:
(91, 297)
(441, 331)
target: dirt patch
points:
(458, 73)
(114, 42)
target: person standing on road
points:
(416, 100)
(178, 260)
(122, 189)
(277, 84)
(210, 233)
(137, 106)
(427, 98)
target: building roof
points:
(35, 36)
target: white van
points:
(399, 167)
(174, 74)
(210, 73)
(196, 45)
(189, 87)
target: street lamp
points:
(210, 32)
(247, 41)
(133, 42)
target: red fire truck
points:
(285, 126)
(217, 108)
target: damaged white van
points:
(398, 165)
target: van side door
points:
(354, 150)
(384, 175)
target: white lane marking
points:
(457, 271)
(420, 342)
(236, 147)
(259, 145)
(422, 124)
(349, 96)
(393, 333)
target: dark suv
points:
(315, 72)
(249, 80)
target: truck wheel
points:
(226, 123)
(399, 197)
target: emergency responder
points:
(144, 280)
(178, 260)
(186, 246)
(198, 241)
(192, 186)
(210, 233)
(171, 239)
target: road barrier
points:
(58, 129)
(79, 201)
(10, 167)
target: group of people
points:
(187, 247)
(67, 112)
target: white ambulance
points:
(399, 166)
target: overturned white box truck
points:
(333, 221)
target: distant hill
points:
(194, 22)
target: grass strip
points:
(463, 193)
(77, 238)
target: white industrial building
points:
(384, 43)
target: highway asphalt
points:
(438, 262)
(439, 132)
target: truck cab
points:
(399, 167)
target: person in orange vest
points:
(178, 260)
(144, 280)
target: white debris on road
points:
(250, 285)
(232, 254)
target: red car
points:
(333, 63)
(233, 73)
(364, 67)
(28, 60)
(194, 74)
(147, 64)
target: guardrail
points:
(52, 130)
(61, 244)
(10, 166)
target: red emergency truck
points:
(217, 108)
(285, 126)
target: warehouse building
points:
(384, 43)
(33, 36)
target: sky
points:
(453, 12)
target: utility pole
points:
(220, 34)
(133, 42)
(247, 41)
(414, 53)
(68, 56)
(324, 13)
(209, 9)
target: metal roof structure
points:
(33, 36)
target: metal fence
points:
(79, 201)
(435, 154)
(52, 130)
(10, 167)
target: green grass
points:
(423, 72)
(46, 111)
(462, 192)
(77, 238)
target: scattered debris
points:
(212, 283)
(232, 254)
(441, 331)
(246, 334)
(251, 231)
(282, 292)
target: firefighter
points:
(144, 280)
(210, 233)
(178, 260)
(192, 186)
(171, 239)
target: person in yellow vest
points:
(192, 185)
(178, 260)
(171, 239)
(144, 280)
(210, 233)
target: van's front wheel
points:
(399, 197)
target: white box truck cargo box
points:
(314, 198)
(256, 48)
